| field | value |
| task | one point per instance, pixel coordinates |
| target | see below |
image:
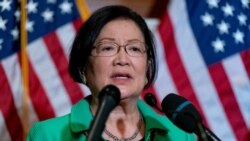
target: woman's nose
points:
(122, 58)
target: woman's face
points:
(126, 72)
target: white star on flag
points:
(15, 33)
(32, 7)
(245, 3)
(17, 15)
(207, 19)
(29, 26)
(48, 15)
(218, 45)
(66, 7)
(242, 19)
(228, 10)
(223, 27)
(2, 23)
(213, 3)
(5, 5)
(238, 36)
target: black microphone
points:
(109, 97)
(186, 116)
(151, 100)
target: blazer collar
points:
(81, 116)
(153, 120)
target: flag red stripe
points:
(38, 96)
(228, 100)
(175, 64)
(245, 55)
(77, 24)
(9, 110)
(246, 60)
(60, 61)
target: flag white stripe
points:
(4, 134)
(66, 41)
(234, 68)
(197, 72)
(45, 70)
(13, 73)
(32, 114)
(85, 89)
(164, 83)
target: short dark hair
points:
(89, 31)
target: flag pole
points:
(24, 69)
(83, 9)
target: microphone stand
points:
(206, 134)
(210, 134)
(202, 133)
(109, 97)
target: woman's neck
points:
(126, 108)
(127, 112)
(125, 123)
(124, 120)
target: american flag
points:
(204, 55)
(51, 26)
(203, 51)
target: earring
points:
(146, 81)
(82, 76)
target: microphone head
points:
(181, 112)
(111, 94)
(150, 99)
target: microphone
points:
(151, 100)
(186, 116)
(109, 97)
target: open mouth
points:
(121, 76)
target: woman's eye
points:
(107, 48)
(135, 49)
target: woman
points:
(114, 46)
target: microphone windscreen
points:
(112, 92)
(171, 102)
(185, 115)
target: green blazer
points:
(75, 125)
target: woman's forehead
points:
(124, 29)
